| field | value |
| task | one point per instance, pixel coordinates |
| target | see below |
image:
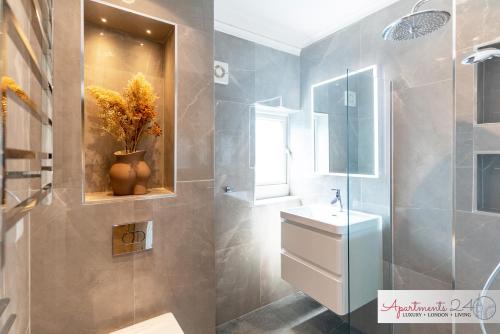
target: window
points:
(271, 155)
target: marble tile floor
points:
(296, 313)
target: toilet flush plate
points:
(132, 238)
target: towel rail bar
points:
(10, 88)
(46, 42)
(4, 302)
(17, 154)
(14, 214)
(8, 324)
(41, 76)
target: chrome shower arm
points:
(418, 5)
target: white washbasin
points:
(330, 219)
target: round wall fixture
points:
(219, 71)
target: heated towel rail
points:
(41, 69)
(25, 26)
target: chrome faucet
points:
(338, 198)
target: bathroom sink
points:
(330, 218)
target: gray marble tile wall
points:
(422, 106)
(77, 286)
(247, 237)
(477, 247)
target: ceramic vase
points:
(129, 174)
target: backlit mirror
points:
(345, 124)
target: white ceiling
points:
(290, 25)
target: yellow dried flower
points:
(129, 116)
(155, 130)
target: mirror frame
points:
(376, 169)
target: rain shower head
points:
(416, 24)
(481, 56)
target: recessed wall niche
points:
(488, 182)
(488, 89)
(118, 44)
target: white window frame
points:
(267, 191)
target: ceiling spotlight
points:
(102, 34)
(104, 20)
(142, 44)
(148, 31)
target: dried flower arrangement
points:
(130, 116)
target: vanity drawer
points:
(327, 251)
(318, 284)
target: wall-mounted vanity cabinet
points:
(118, 44)
(326, 252)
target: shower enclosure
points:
(477, 144)
(397, 114)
